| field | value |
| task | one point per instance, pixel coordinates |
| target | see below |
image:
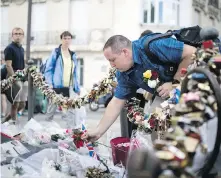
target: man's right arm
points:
(111, 113)
(8, 60)
(10, 70)
(123, 91)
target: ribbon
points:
(81, 143)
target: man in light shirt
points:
(61, 71)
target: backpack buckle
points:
(171, 69)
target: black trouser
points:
(142, 99)
(64, 91)
(215, 175)
(51, 110)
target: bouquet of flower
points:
(97, 173)
(151, 78)
(77, 133)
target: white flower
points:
(152, 83)
(146, 124)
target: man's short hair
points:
(117, 42)
(16, 29)
(146, 32)
(66, 33)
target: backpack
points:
(190, 36)
(43, 64)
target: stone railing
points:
(81, 37)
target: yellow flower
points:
(147, 74)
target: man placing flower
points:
(151, 78)
(136, 70)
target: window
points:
(5, 31)
(161, 12)
(39, 23)
(214, 3)
(4, 20)
(39, 14)
(79, 21)
(178, 14)
(173, 9)
(149, 8)
(145, 12)
(152, 11)
(212, 22)
(197, 17)
(81, 71)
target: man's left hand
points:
(164, 90)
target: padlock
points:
(167, 174)
(209, 113)
(165, 155)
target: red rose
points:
(152, 122)
(79, 143)
(75, 137)
(154, 75)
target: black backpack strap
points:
(57, 50)
(71, 53)
(151, 55)
(171, 68)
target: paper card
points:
(13, 148)
(65, 155)
(21, 149)
(7, 150)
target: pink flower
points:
(138, 119)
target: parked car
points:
(101, 101)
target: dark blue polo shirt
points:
(15, 53)
(168, 50)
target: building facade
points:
(92, 22)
